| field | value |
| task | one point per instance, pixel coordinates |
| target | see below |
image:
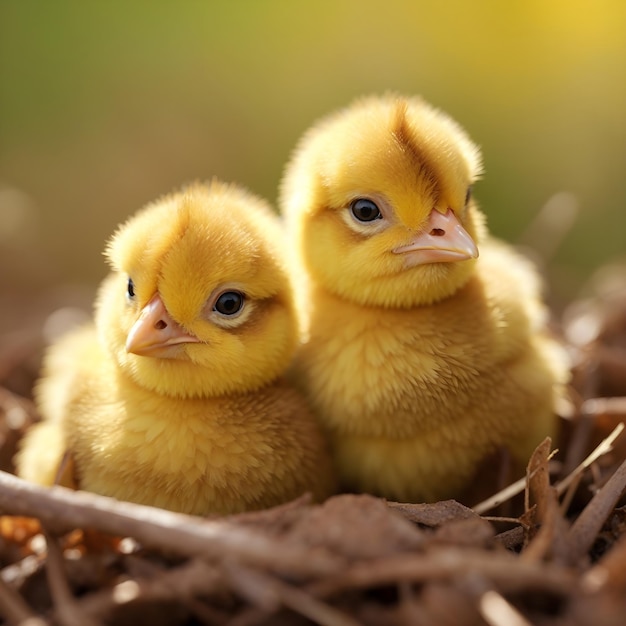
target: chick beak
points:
(442, 240)
(155, 333)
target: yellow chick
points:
(175, 397)
(421, 358)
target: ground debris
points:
(549, 550)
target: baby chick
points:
(422, 359)
(174, 398)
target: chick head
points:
(378, 197)
(198, 303)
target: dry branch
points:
(14, 609)
(505, 571)
(67, 613)
(518, 486)
(585, 529)
(182, 583)
(62, 510)
(270, 593)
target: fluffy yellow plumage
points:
(421, 357)
(175, 398)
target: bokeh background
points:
(104, 106)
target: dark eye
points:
(229, 303)
(131, 288)
(365, 210)
(468, 195)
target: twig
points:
(549, 539)
(497, 611)
(605, 446)
(270, 593)
(504, 570)
(610, 571)
(491, 605)
(518, 486)
(179, 583)
(14, 608)
(502, 496)
(604, 406)
(505, 520)
(65, 606)
(585, 529)
(60, 508)
(570, 493)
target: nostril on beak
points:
(160, 325)
(437, 232)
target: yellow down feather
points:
(418, 370)
(203, 424)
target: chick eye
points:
(131, 288)
(468, 195)
(229, 303)
(365, 210)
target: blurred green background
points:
(104, 106)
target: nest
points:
(549, 549)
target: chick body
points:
(168, 402)
(418, 370)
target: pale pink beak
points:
(155, 333)
(443, 240)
